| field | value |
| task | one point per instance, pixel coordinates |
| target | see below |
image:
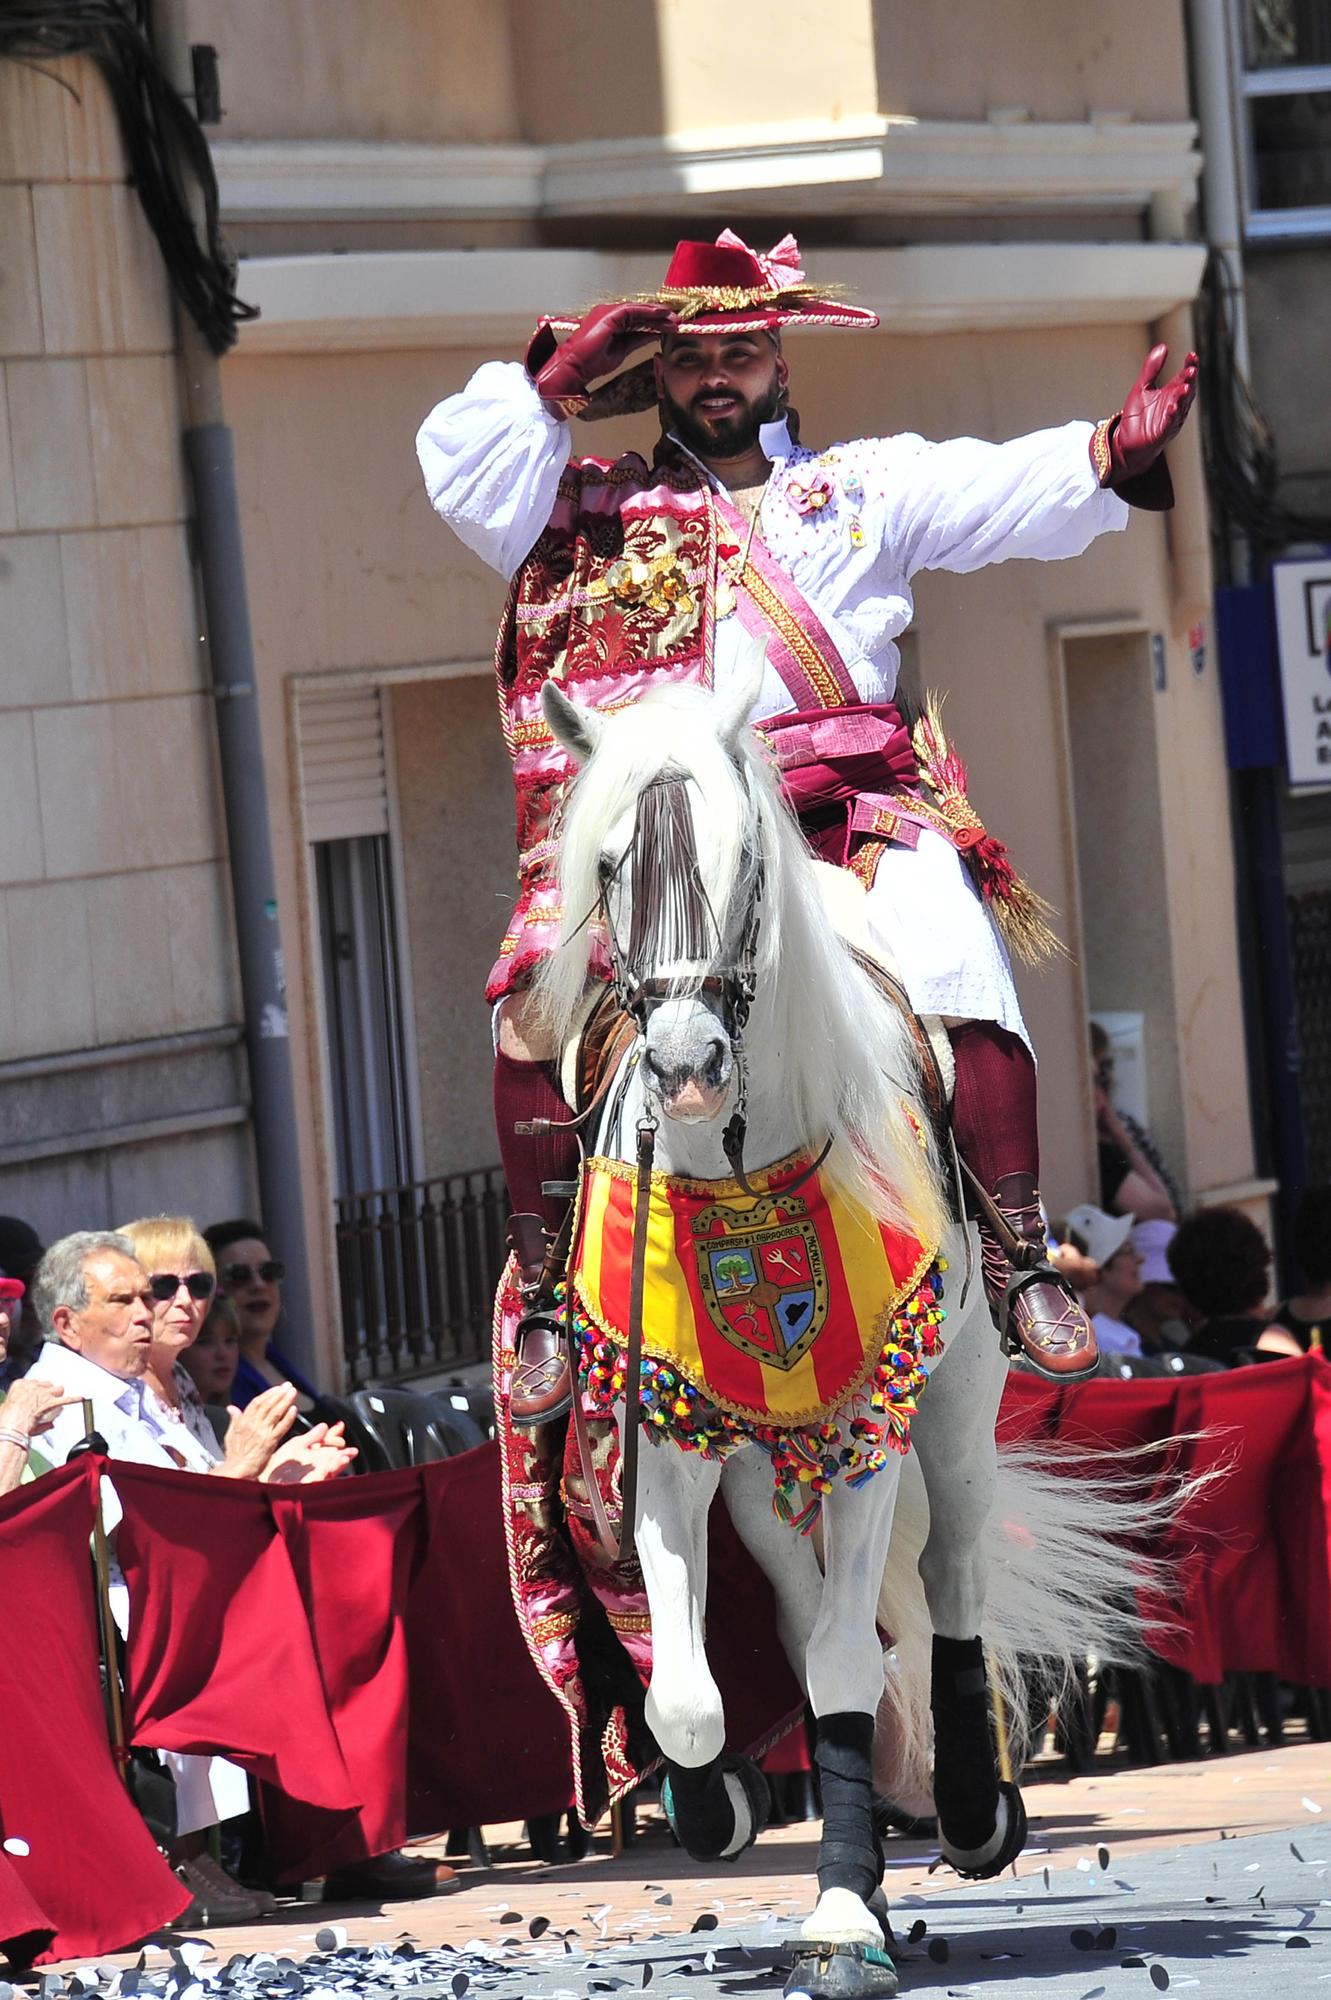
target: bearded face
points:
(717, 390)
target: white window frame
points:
(1271, 225)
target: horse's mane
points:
(843, 1059)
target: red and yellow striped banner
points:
(776, 1307)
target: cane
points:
(92, 1440)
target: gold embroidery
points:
(823, 680)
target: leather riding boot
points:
(542, 1386)
(1039, 1315)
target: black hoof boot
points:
(981, 1823)
(841, 1972)
(697, 1805)
(1001, 1849)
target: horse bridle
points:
(663, 832)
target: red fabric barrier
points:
(352, 1644)
(355, 1645)
(1250, 1553)
(91, 1879)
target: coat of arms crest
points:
(763, 1277)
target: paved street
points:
(1191, 1876)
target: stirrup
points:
(1050, 1363)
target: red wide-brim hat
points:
(725, 287)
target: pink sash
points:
(771, 606)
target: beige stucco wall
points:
(675, 68)
(349, 570)
(1049, 58)
(361, 69)
(114, 911)
(455, 806)
(553, 70)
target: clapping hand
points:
(255, 1432)
(320, 1453)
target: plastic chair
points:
(370, 1453)
(468, 1405)
(411, 1429)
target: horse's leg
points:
(981, 1823)
(716, 1804)
(788, 1561)
(845, 1685)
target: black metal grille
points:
(417, 1269)
(1310, 945)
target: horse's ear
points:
(578, 729)
(734, 708)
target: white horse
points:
(945, 1543)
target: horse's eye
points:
(605, 871)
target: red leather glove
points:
(1128, 451)
(598, 345)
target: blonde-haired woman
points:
(182, 1278)
(179, 1268)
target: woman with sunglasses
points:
(182, 1280)
(251, 1277)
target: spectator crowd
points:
(156, 1343)
(1158, 1284)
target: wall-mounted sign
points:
(1303, 631)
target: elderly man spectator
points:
(1107, 1241)
(96, 1310)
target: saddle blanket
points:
(776, 1309)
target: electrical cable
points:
(160, 133)
(1241, 464)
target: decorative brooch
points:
(808, 490)
(663, 584)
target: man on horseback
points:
(625, 574)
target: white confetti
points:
(16, 1846)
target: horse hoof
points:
(977, 1864)
(734, 1770)
(841, 1972)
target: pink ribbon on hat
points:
(781, 266)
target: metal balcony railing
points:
(417, 1269)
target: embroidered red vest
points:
(622, 591)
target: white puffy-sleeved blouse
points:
(493, 455)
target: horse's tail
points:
(1062, 1558)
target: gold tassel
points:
(1023, 917)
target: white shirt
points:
(493, 455)
(1115, 1335)
(121, 1410)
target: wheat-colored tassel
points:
(1023, 917)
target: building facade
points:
(1264, 92)
(408, 186)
